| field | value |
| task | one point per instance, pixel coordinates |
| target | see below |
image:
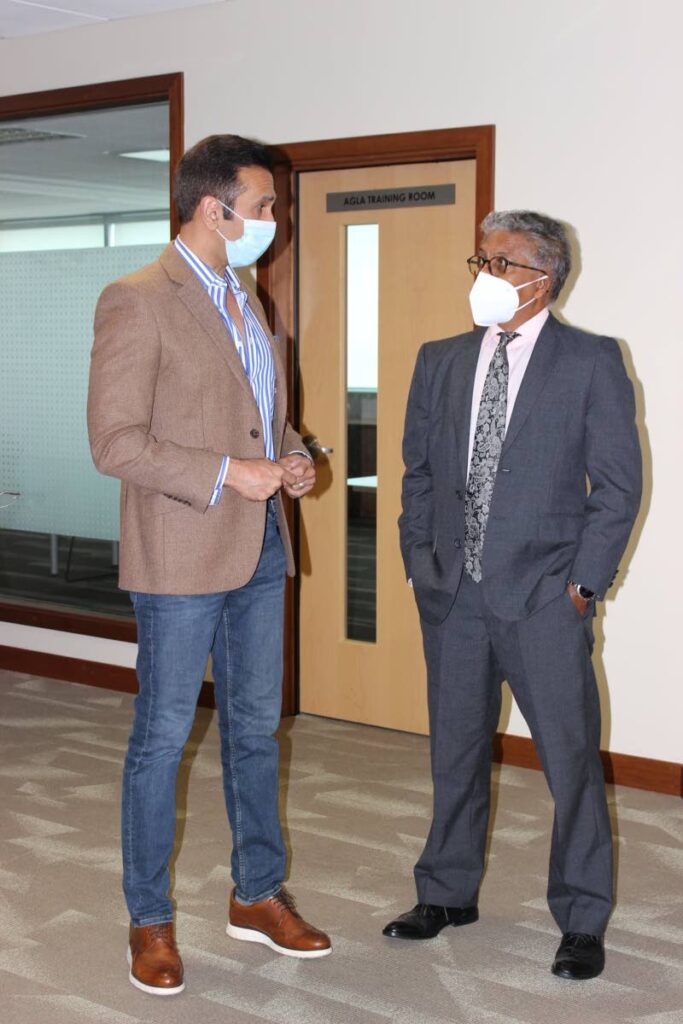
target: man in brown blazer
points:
(187, 407)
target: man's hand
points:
(303, 472)
(258, 479)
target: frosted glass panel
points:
(80, 217)
(48, 300)
(362, 340)
(139, 232)
(68, 236)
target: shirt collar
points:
(528, 331)
(234, 281)
(207, 274)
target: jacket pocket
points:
(156, 504)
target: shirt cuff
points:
(306, 455)
(220, 480)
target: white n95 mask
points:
(494, 300)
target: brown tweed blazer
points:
(168, 397)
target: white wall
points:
(586, 100)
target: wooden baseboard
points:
(70, 620)
(620, 769)
(75, 670)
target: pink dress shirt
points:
(519, 353)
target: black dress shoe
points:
(579, 956)
(425, 921)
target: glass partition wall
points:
(84, 199)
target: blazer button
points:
(457, 542)
(254, 432)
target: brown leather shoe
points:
(155, 964)
(276, 923)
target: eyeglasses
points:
(498, 265)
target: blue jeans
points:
(242, 630)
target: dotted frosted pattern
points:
(47, 304)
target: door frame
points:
(277, 276)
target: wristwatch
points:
(583, 592)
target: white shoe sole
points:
(151, 989)
(251, 935)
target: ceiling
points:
(33, 17)
(84, 173)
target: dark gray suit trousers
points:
(546, 659)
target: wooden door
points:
(378, 275)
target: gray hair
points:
(548, 237)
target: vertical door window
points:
(362, 343)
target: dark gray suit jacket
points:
(573, 421)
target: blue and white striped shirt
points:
(254, 348)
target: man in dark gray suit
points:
(508, 549)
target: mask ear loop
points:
(526, 285)
(226, 207)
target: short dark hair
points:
(211, 168)
(548, 237)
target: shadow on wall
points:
(603, 606)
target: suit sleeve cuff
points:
(297, 451)
(220, 480)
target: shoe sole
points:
(251, 935)
(150, 989)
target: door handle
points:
(315, 447)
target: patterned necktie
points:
(488, 442)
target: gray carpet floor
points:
(356, 803)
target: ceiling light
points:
(160, 156)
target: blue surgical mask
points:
(257, 236)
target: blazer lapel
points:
(460, 391)
(195, 299)
(543, 359)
